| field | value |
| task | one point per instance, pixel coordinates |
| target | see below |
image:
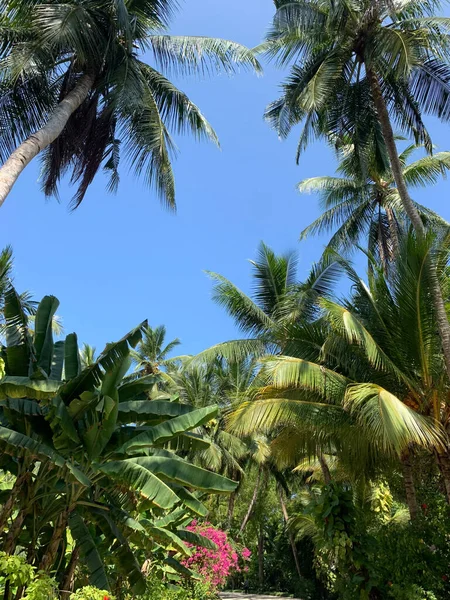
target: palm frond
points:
(190, 54)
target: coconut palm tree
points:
(357, 67)
(152, 352)
(367, 205)
(87, 355)
(76, 88)
(377, 385)
(276, 296)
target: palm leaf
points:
(390, 422)
(190, 54)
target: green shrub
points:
(189, 590)
(91, 593)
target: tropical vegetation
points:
(311, 455)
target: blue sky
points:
(122, 258)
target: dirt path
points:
(230, 596)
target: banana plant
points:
(94, 458)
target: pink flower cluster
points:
(215, 565)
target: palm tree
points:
(276, 297)
(75, 88)
(87, 356)
(152, 351)
(221, 382)
(358, 205)
(377, 386)
(356, 66)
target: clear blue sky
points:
(120, 259)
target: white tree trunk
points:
(24, 154)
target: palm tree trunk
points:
(24, 154)
(443, 461)
(325, 469)
(410, 209)
(231, 506)
(289, 532)
(261, 556)
(252, 502)
(393, 231)
(69, 575)
(410, 489)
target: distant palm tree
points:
(74, 86)
(277, 296)
(87, 356)
(368, 205)
(355, 68)
(152, 351)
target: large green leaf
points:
(117, 350)
(101, 430)
(180, 471)
(191, 501)
(179, 568)
(92, 376)
(19, 350)
(111, 524)
(139, 386)
(196, 539)
(23, 406)
(165, 537)
(89, 552)
(71, 357)
(138, 411)
(141, 479)
(169, 429)
(64, 430)
(14, 443)
(58, 360)
(43, 334)
(24, 387)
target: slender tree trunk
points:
(69, 575)
(410, 488)
(52, 549)
(325, 469)
(231, 506)
(14, 531)
(31, 147)
(252, 502)
(289, 532)
(443, 461)
(410, 209)
(8, 507)
(261, 556)
(393, 231)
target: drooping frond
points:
(391, 422)
(190, 54)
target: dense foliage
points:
(310, 457)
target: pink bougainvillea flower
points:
(215, 566)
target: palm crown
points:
(127, 108)
(336, 47)
(357, 206)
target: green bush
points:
(91, 593)
(366, 553)
(188, 590)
